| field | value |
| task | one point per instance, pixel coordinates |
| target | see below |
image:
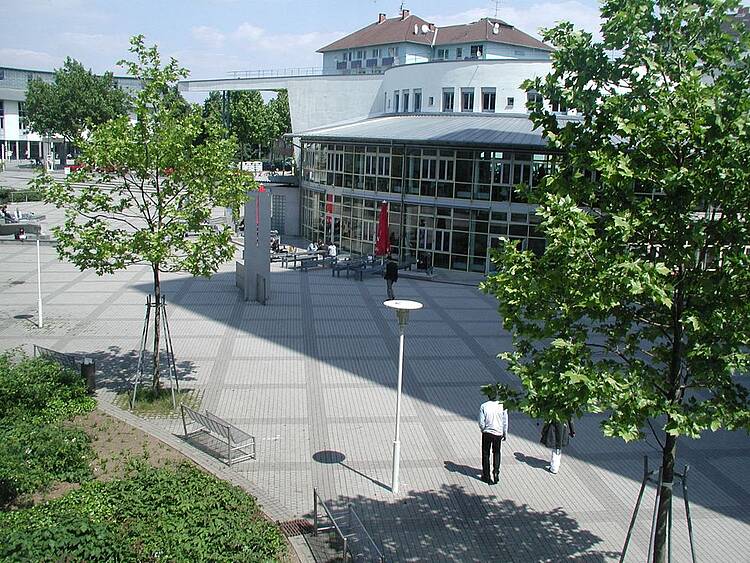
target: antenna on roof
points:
(497, 7)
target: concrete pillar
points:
(257, 247)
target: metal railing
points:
(357, 541)
(71, 361)
(278, 72)
(366, 549)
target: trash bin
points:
(88, 372)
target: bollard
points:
(88, 373)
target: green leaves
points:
(36, 448)
(147, 187)
(172, 514)
(640, 305)
(74, 102)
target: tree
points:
(252, 121)
(147, 184)
(279, 106)
(75, 101)
(640, 305)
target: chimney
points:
(404, 14)
(381, 18)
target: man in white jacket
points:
(493, 422)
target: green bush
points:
(8, 195)
(32, 457)
(171, 514)
(36, 450)
(40, 390)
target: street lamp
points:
(402, 308)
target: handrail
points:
(71, 361)
(353, 516)
(317, 500)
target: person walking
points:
(556, 435)
(391, 276)
(493, 422)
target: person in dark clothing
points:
(391, 275)
(556, 435)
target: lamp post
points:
(402, 308)
(39, 282)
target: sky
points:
(214, 37)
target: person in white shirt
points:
(493, 422)
(312, 247)
(332, 250)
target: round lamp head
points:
(402, 308)
(403, 304)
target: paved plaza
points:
(313, 374)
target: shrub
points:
(171, 514)
(8, 195)
(35, 448)
(32, 457)
(40, 390)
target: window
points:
(2, 114)
(395, 101)
(360, 55)
(448, 99)
(534, 97)
(488, 99)
(476, 51)
(431, 101)
(23, 118)
(2, 74)
(442, 54)
(391, 51)
(509, 103)
(375, 53)
(417, 101)
(405, 94)
(459, 53)
(559, 106)
(467, 99)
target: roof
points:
(456, 129)
(483, 30)
(390, 30)
(401, 30)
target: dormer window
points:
(558, 106)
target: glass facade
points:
(447, 205)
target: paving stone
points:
(312, 375)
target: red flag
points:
(382, 242)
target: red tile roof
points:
(401, 30)
(392, 30)
(482, 30)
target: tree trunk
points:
(664, 509)
(156, 383)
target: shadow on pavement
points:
(436, 523)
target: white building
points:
(432, 120)
(17, 142)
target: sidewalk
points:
(313, 374)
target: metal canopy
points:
(514, 131)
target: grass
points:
(150, 404)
